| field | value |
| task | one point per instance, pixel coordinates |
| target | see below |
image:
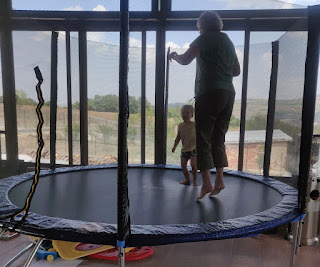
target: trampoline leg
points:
(121, 257)
(296, 231)
(19, 255)
(34, 251)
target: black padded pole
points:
(159, 145)
(309, 102)
(83, 76)
(8, 83)
(244, 99)
(53, 98)
(69, 98)
(143, 97)
(271, 108)
(166, 99)
(123, 200)
(155, 5)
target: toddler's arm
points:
(176, 142)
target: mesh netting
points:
(259, 71)
(34, 49)
(288, 110)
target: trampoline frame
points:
(105, 234)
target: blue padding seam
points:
(121, 244)
(301, 217)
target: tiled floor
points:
(264, 251)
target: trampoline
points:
(79, 204)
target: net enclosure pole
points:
(166, 99)
(83, 95)
(53, 98)
(160, 146)
(271, 108)
(8, 83)
(143, 96)
(69, 97)
(244, 99)
(123, 216)
(309, 102)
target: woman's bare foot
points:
(205, 190)
(195, 183)
(185, 182)
(216, 191)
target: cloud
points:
(267, 57)
(73, 8)
(172, 45)
(176, 46)
(301, 2)
(249, 4)
(99, 8)
(96, 37)
(186, 46)
(133, 42)
(39, 36)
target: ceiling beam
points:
(234, 20)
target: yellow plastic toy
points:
(67, 250)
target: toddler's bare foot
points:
(195, 183)
(204, 190)
(185, 182)
(216, 191)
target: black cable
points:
(39, 150)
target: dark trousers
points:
(212, 115)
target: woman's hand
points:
(187, 57)
(173, 55)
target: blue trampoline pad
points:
(80, 204)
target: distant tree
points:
(174, 113)
(134, 105)
(171, 130)
(106, 131)
(22, 98)
(259, 122)
(149, 108)
(110, 103)
(132, 133)
(75, 131)
(76, 105)
(288, 128)
(234, 122)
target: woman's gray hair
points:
(209, 21)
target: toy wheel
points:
(50, 258)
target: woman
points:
(217, 64)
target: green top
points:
(214, 63)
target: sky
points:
(33, 48)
